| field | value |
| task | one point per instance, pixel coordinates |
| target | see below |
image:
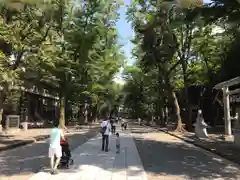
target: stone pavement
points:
(23, 162)
(90, 163)
(19, 137)
(166, 157)
(15, 138)
(214, 143)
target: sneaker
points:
(54, 172)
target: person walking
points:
(139, 121)
(55, 147)
(113, 126)
(117, 143)
(106, 131)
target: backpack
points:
(103, 129)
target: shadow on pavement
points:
(7, 139)
(92, 163)
(32, 158)
(166, 158)
(159, 157)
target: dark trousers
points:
(125, 126)
(113, 128)
(105, 141)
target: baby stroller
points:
(66, 159)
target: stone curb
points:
(30, 141)
(15, 145)
(202, 146)
(197, 145)
(24, 142)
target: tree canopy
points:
(177, 47)
(67, 47)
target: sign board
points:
(234, 98)
(12, 121)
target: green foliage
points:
(67, 47)
(176, 48)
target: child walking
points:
(117, 143)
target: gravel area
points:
(22, 162)
(169, 158)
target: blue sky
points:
(125, 33)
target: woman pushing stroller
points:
(56, 149)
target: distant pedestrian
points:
(122, 124)
(125, 125)
(113, 126)
(139, 121)
(55, 149)
(105, 131)
(117, 143)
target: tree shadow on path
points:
(174, 157)
(32, 158)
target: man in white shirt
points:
(55, 147)
(106, 127)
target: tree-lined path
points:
(90, 163)
(163, 157)
(59, 60)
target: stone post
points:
(227, 117)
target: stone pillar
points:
(227, 117)
(56, 109)
(25, 124)
(26, 112)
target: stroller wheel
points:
(71, 162)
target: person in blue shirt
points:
(55, 148)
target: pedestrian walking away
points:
(105, 131)
(139, 121)
(117, 143)
(122, 124)
(113, 126)
(55, 149)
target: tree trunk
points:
(174, 99)
(166, 118)
(62, 112)
(1, 113)
(85, 113)
(67, 114)
(186, 97)
(161, 117)
(179, 126)
(2, 100)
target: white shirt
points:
(55, 137)
(109, 127)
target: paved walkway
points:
(90, 163)
(166, 157)
(17, 137)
